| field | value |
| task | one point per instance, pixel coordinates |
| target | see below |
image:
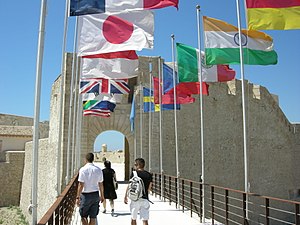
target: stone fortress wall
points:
(15, 131)
(273, 142)
(112, 156)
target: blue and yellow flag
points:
(149, 105)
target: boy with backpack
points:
(137, 191)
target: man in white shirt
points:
(90, 182)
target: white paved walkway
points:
(161, 213)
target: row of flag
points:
(111, 31)
(109, 34)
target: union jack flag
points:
(102, 85)
(119, 86)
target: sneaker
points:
(104, 211)
(112, 212)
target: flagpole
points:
(76, 126)
(75, 98)
(135, 144)
(37, 99)
(160, 130)
(175, 114)
(243, 105)
(134, 130)
(78, 134)
(141, 119)
(201, 112)
(79, 122)
(60, 124)
(71, 108)
(150, 122)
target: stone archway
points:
(119, 121)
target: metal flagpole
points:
(78, 112)
(243, 104)
(150, 119)
(201, 112)
(71, 109)
(134, 143)
(160, 129)
(78, 131)
(75, 121)
(75, 131)
(37, 100)
(175, 114)
(134, 129)
(60, 124)
(141, 119)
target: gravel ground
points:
(12, 216)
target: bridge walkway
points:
(161, 212)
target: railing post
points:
(176, 189)
(201, 203)
(297, 219)
(191, 197)
(164, 188)
(61, 213)
(154, 185)
(182, 194)
(212, 189)
(170, 193)
(57, 214)
(267, 202)
(226, 207)
(244, 208)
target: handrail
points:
(62, 209)
(226, 205)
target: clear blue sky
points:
(19, 24)
(113, 139)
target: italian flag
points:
(273, 14)
(188, 69)
(222, 44)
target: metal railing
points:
(225, 205)
(60, 213)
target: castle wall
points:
(113, 157)
(47, 161)
(14, 143)
(14, 120)
(15, 131)
(271, 139)
(11, 172)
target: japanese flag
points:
(103, 33)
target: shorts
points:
(89, 204)
(141, 206)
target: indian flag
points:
(222, 44)
(273, 14)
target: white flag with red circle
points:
(103, 33)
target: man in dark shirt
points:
(141, 205)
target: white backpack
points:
(136, 187)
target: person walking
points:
(90, 182)
(141, 205)
(109, 176)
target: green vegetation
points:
(12, 215)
